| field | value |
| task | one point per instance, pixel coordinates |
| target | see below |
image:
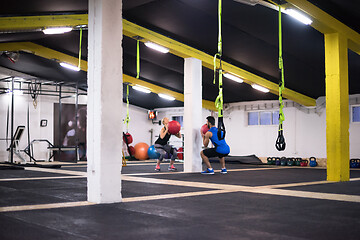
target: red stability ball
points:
(174, 127)
(141, 150)
(204, 128)
(129, 138)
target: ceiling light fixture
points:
(260, 88)
(141, 89)
(298, 16)
(57, 30)
(233, 77)
(156, 47)
(167, 97)
(68, 66)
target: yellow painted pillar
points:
(337, 107)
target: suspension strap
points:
(127, 119)
(219, 102)
(280, 141)
(79, 65)
(138, 59)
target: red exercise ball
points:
(132, 150)
(141, 150)
(180, 154)
(204, 128)
(174, 127)
(128, 137)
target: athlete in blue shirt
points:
(220, 150)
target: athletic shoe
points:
(223, 171)
(208, 171)
(157, 169)
(172, 168)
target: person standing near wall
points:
(221, 149)
(162, 146)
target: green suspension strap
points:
(80, 48)
(127, 119)
(219, 100)
(138, 59)
(280, 141)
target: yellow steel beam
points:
(337, 107)
(44, 52)
(132, 30)
(40, 22)
(177, 48)
(325, 23)
(61, 57)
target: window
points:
(355, 114)
(275, 118)
(263, 118)
(179, 119)
(253, 118)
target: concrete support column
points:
(104, 118)
(192, 114)
(337, 107)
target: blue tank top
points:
(220, 145)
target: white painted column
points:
(104, 118)
(192, 114)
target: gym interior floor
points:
(250, 202)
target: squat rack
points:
(35, 89)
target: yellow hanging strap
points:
(137, 59)
(280, 141)
(127, 119)
(219, 102)
(79, 65)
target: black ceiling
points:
(250, 41)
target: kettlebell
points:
(277, 161)
(353, 163)
(290, 161)
(313, 162)
(283, 161)
(298, 161)
(269, 161)
(304, 163)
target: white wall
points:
(43, 110)
(139, 126)
(304, 130)
(305, 133)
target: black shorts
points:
(211, 152)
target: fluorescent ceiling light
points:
(167, 97)
(233, 77)
(156, 47)
(72, 67)
(298, 16)
(57, 30)
(260, 88)
(141, 89)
